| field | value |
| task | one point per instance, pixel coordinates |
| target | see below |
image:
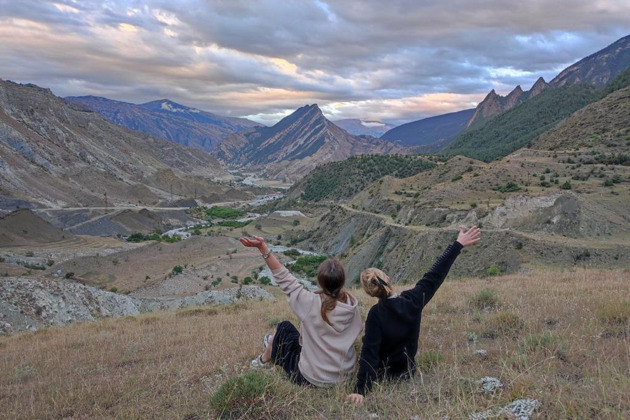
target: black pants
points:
(285, 351)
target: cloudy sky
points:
(395, 60)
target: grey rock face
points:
(29, 304)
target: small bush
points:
(178, 269)
(293, 253)
(502, 324)
(566, 185)
(615, 313)
(485, 299)
(69, 275)
(540, 342)
(113, 289)
(248, 280)
(296, 222)
(196, 312)
(29, 254)
(429, 359)
(493, 270)
(246, 396)
(264, 280)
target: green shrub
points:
(493, 270)
(508, 187)
(308, 264)
(456, 178)
(69, 275)
(178, 269)
(296, 222)
(566, 185)
(293, 253)
(234, 223)
(113, 289)
(429, 359)
(29, 254)
(245, 396)
(248, 280)
(224, 212)
(50, 263)
(264, 280)
(540, 342)
(485, 299)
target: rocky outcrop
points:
(30, 304)
(494, 104)
(597, 69)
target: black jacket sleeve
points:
(424, 290)
(370, 358)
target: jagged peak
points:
(540, 81)
(517, 89)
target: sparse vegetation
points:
(178, 269)
(485, 299)
(337, 180)
(95, 367)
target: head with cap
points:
(331, 277)
(376, 283)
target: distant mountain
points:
(296, 144)
(513, 129)
(60, 154)
(439, 129)
(597, 69)
(169, 120)
(360, 127)
(494, 104)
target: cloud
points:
(394, 61)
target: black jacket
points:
(392, 327)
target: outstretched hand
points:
(355, 398)
(253, 242)
(469, 237)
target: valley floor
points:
(558, 337)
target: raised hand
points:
(253, 242)
(469, 237)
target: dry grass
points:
(563, 340)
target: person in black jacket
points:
(392, 327)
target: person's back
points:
(392, 327)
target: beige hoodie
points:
(328, 354)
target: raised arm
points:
(424, 290)
(300, 299)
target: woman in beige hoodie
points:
(322, 352)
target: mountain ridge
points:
(167, 119)
(296, 144)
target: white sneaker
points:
(258, 363)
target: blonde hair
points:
(374, 282)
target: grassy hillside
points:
(515, 128)
(339, 180)
(557, 337)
